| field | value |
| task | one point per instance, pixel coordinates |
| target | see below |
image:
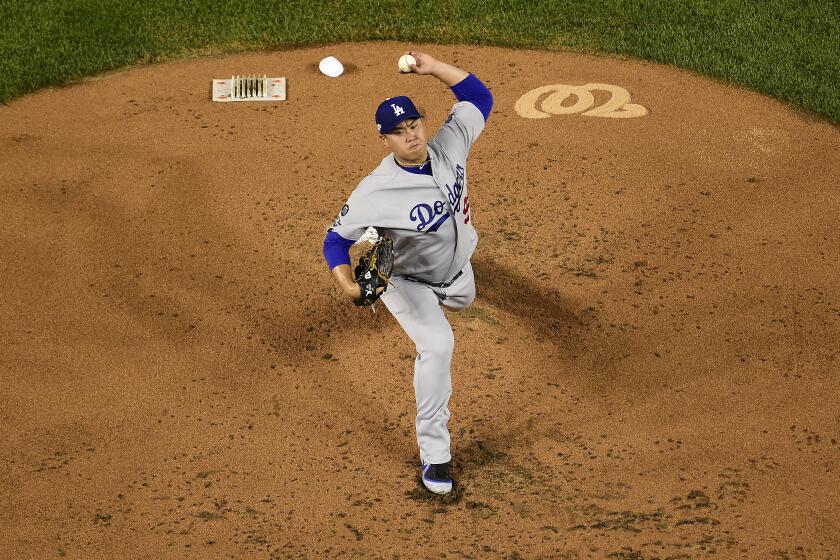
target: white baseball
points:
(405, 62)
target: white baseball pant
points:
(417, 308)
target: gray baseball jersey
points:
(427, 217)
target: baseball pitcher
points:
(418, 201)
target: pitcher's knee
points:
(458, 303)
(438, 345)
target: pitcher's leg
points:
(461, 293)
(417, 309)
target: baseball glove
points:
(374, 270)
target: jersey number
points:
(466, 209)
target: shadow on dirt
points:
(421, 494)
(545, 311)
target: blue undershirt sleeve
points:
(336, 249)
(473, 90)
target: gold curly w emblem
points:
(545, 101)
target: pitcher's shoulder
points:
(382, 176)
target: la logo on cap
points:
(397, 109)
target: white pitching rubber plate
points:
(249, 88)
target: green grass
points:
(789, 49)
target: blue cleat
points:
(436, 477)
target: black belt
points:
(437, 284)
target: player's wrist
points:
(344, 276)
(354, 291)
(441, 70)
(448, 74)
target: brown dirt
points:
(650, 369)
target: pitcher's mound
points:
(649, 371)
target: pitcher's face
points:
(408, 141)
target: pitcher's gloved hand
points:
(374, 270)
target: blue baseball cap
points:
(393, 111)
